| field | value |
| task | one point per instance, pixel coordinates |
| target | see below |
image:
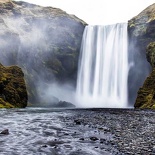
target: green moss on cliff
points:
(39, 41)
(150, 51)
(146, 94)
(12, 87)
(5, 104)
(141, 27)
(141, 30)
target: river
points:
(46, 131)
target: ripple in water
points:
(43, 132)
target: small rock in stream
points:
(93, 138)
(5, 132)
(77, 122)
(44, 145)
(81, 139)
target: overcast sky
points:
(99, 12)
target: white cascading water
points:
(103, 67)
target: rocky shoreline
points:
(77, 131)
(117, 131)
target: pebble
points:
(123, 131)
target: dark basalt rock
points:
(77, 122)
(5, 132)
(94, 138)
(64, 104)
(12, 87)
(43, 41)
(150, 53)
(141, 30)
(55, 103)
(146, 94)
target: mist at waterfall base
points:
(102, 89)
(27, 53)
(103, 67)
(89, 93)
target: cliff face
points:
(13, 92)
(146, 94)
(142, 32)
(43, 41)
(142, 28)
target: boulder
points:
(5, 132)
(13, 92)
(64, 104)
(44, 41)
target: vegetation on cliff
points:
(142, 25)
(142, 33)
(13, 92)
(150, 53)
(146, 94)
(43, 41)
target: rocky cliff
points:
(142, 33)
(43, 41)
(13, 92)
(146, 94)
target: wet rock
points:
(55, 143)
(55, 103)
(93, 138)
(100, 128)
(68, 146)
(5, 132)
(106, 130)
(81, 139)
(77, 122)
(102, 140)
(64, 104)
(44, 146)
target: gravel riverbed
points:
(124, 131)
(39, 131)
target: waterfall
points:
(103, 67)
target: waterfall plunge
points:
(103, 67)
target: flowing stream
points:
(48, 131)
(103, 67)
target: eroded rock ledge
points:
(13, 92)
